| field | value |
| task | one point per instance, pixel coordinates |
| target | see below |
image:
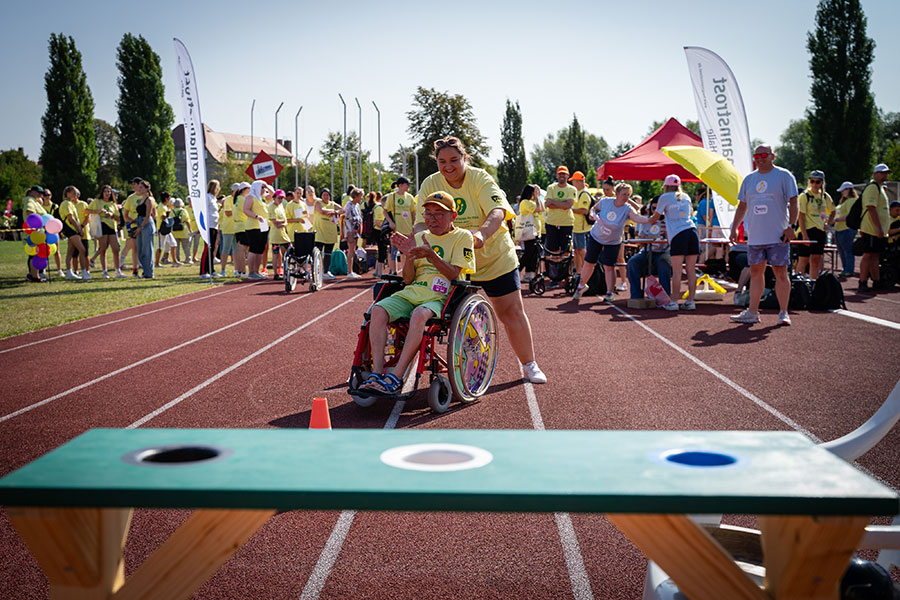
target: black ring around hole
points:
(179, 454)
(698, 458)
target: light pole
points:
(276, 138)
(359, 147)
(331, 162)
(344, 183)
(403, 154)
(252, 106)
(379, 144)
(296, 149)
(306, 168)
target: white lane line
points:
(578, 577)
(142, 314)
(316, 582)
(745, 393)
(867, 318)
(143, 361)
(240, 363)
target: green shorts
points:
(401, 308)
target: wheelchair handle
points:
(391, 278)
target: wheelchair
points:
(467, 326)
(561, 271)
(303, 263)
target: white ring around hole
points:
(472, 457)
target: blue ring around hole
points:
(699, 458)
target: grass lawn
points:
(28, 306)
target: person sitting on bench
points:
(434, 258)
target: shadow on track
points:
(739, 334)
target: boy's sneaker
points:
(609, 297)
(105, 275)
(745, 317)
(784, 318)
(579, 292)
(672, 305)
(85, 275)
(689, 305)
(533, 373)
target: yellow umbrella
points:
(713, 169)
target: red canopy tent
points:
(645, 162)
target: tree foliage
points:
(438, 114)
(107, 154)
(17, 174)
(145, 122)
(512, 171)
(575, 149)
(842, 117)
(794, 153)
(68, 150)
(552, 152)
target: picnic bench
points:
(72, 507)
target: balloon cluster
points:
(42, 237)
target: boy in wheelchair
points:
(435, 258)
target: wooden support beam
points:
(805, 557)
(192, 554)
(692, 558)
(79, 549)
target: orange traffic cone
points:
(320, 418)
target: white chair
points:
(737, 540)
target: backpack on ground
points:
(854, 217)
(827, 294)
(801, 294)
(596, 285)
(338, 263)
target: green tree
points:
(538, 175)
(107, 154)
(842, 117)
(438, 114)
(892, 157)
(575, 149)
(69, 150)
(693, 126)
(794, 153)
(17, 174)
(512, 171)
(145, 118)
(552, 151)
(888, 133)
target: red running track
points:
(609, 368)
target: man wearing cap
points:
(815, 206)
(768, 198)
(33, 206)
(441, 254)
(560, 219)
(400, 213)
(582, 226)
(873, 228)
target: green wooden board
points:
(531, 471)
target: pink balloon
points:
(53, 226)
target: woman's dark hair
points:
(527, 191)
(609, 181)
(164, 196)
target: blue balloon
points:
(46, 218)
(52, 238)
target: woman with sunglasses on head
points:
(145, 208)
(105, 206)
(483, 209)
(815, 207)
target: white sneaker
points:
(609, 297)
(205, 276)
(579, 292)
(217, 261)
(253, 276)
(353, 275)
(60, 273)
(217, 274)
(105, 275)
(672, 305)
(238, 274)
(528, 276)
(621, 287)
(328, 276)
(745, 317)
(71, 275)
(533, 373)
(784, 318)
(689, 305)
(85, 275)
(121, 275)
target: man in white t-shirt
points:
(768, 198)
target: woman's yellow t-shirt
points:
(226, 223)
(66, 210)
(259, 209)
(238, 215)
(106, 206)
(841, 210)
(162, 211)
(377, 215)
(298, 210)
(326, 226)
(185, 217)
(82, 207)
(477, 197)
(456, 247)
(278, 235)
(814, 207)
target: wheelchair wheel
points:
(289, 266)
(440, 394)
(537, 286)
(472, 348)
(314, 270)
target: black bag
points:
(769, 301)
(596, 285)
(859, 247)
(165, 226)
(827, 294)
(177, 225)
(801, 294)
(854, 217)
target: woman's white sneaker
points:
(533, 373)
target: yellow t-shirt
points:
(876, 196)
(130, 205)
(841, 210)
(185, 216)
(278, 235)
(81, 207)
(299, 210)
(238, 215)
(377, 215)
(259, 209)
(33, 207)
(226, 223)
(557, 216)
(583, 200)
(109, 207)
(478, 196)
(816, 208)
(326, 226)
(162, 211)
(457, 248)
(403, 208)
(67, 209)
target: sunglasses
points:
(450, 141)
(815, 181)
(762, 155)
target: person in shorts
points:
(768, 200)
(582, 224)
(559, 218)
(873, 228)
(440, 255)
(815, 207)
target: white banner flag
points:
(723, 120)
(194, 143)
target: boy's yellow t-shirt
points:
(403, 208)
(557, 216)
(162, 211)
(278, 235)
(130, 205)
(583, 200)
(457, 248)
(101, 205)
(477, 197)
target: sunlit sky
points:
(617, 65)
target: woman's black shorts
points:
(257, 240)
(685, 243)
